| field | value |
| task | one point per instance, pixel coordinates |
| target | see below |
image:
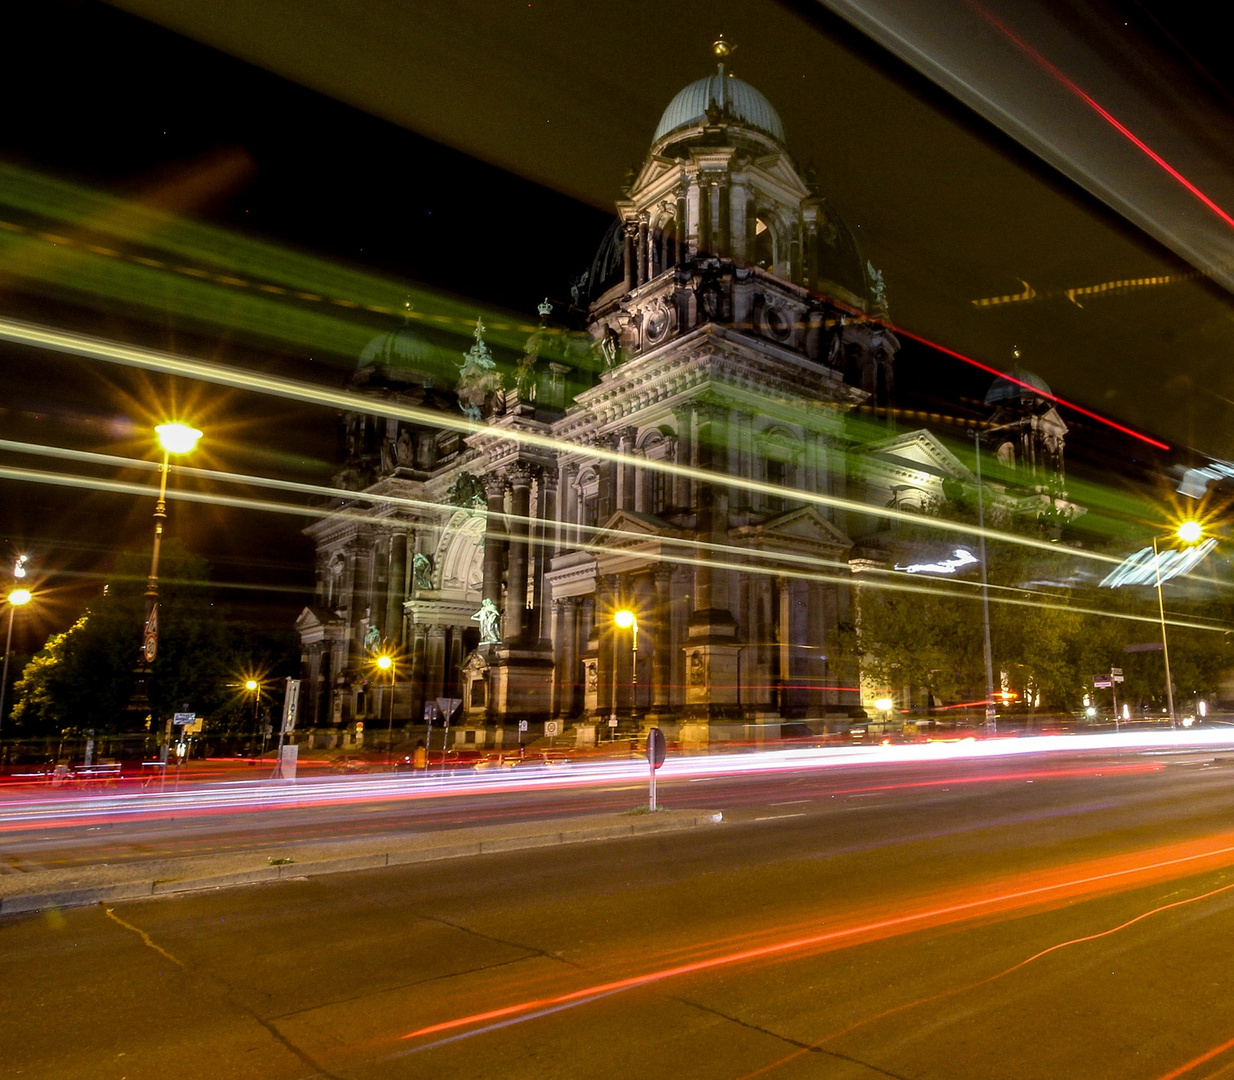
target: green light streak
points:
(218, 374)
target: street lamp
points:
(385, 662)
(626, 620)
(16, 598)
(1189, 532)
(174, 439)
(252, 686)
(991, 717)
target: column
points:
(494, 535)
(624, 471)
(681, 484)
(396, 589)
(569, 656)
(435, 681)
(516, 585)
(709, 585)
(631, 238)
(606, 640)
(642, 248)
(722, 241)
(542, 547)
(453, 676)
(418, 659)
(662, 656)
(704, 214)
(682, 224)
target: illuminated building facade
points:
(730, 327)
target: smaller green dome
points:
(404, 350)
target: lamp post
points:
(174, 439)
(16, 598)
(627, 620)
(1189, 532)
(991, 717)
(385, 662)
(253, 687)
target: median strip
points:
(103, 883)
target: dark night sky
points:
(476, 148)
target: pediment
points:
(920, 450)
(313, 618)
(803, 526)
(633, 524)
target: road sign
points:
(612, 722)
(656, 747)
(182, 718)
(291, 706)
(522, 725)
(551, 727)
(1148, 646)
(1116, 671)
(1102, 682)
(447, 705)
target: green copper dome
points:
(742, 102)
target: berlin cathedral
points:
(662, 513)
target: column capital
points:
(521, 474)
(494, 484)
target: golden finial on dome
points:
(722, 48)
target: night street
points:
(876, 921)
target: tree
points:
(84, 677)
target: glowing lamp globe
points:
(1189, 532)
(384, 662)
(624, 619)
(251, 685)
(19, 596)
(884, 704)
(177, 438)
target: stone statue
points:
(878, 287)
(489, 619)
(372, 638)
(421, 571)
(478, 380)
(578, 290)
(467, 492)
(402, 453)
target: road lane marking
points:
(779, 817)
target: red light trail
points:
(1107, 116)
(1039, 890)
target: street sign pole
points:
(1114, 694)
(656, 749)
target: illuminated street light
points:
(385, 662)
(252, 686)
(626, 620)
(16, 598)
(174, 439)
(1189, 532)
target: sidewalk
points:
(81, 885)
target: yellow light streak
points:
(169, 364)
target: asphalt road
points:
(1060, 916)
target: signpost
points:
(656, 749)
(1109, 682)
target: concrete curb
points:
(144, 887)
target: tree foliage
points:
(84, 678)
